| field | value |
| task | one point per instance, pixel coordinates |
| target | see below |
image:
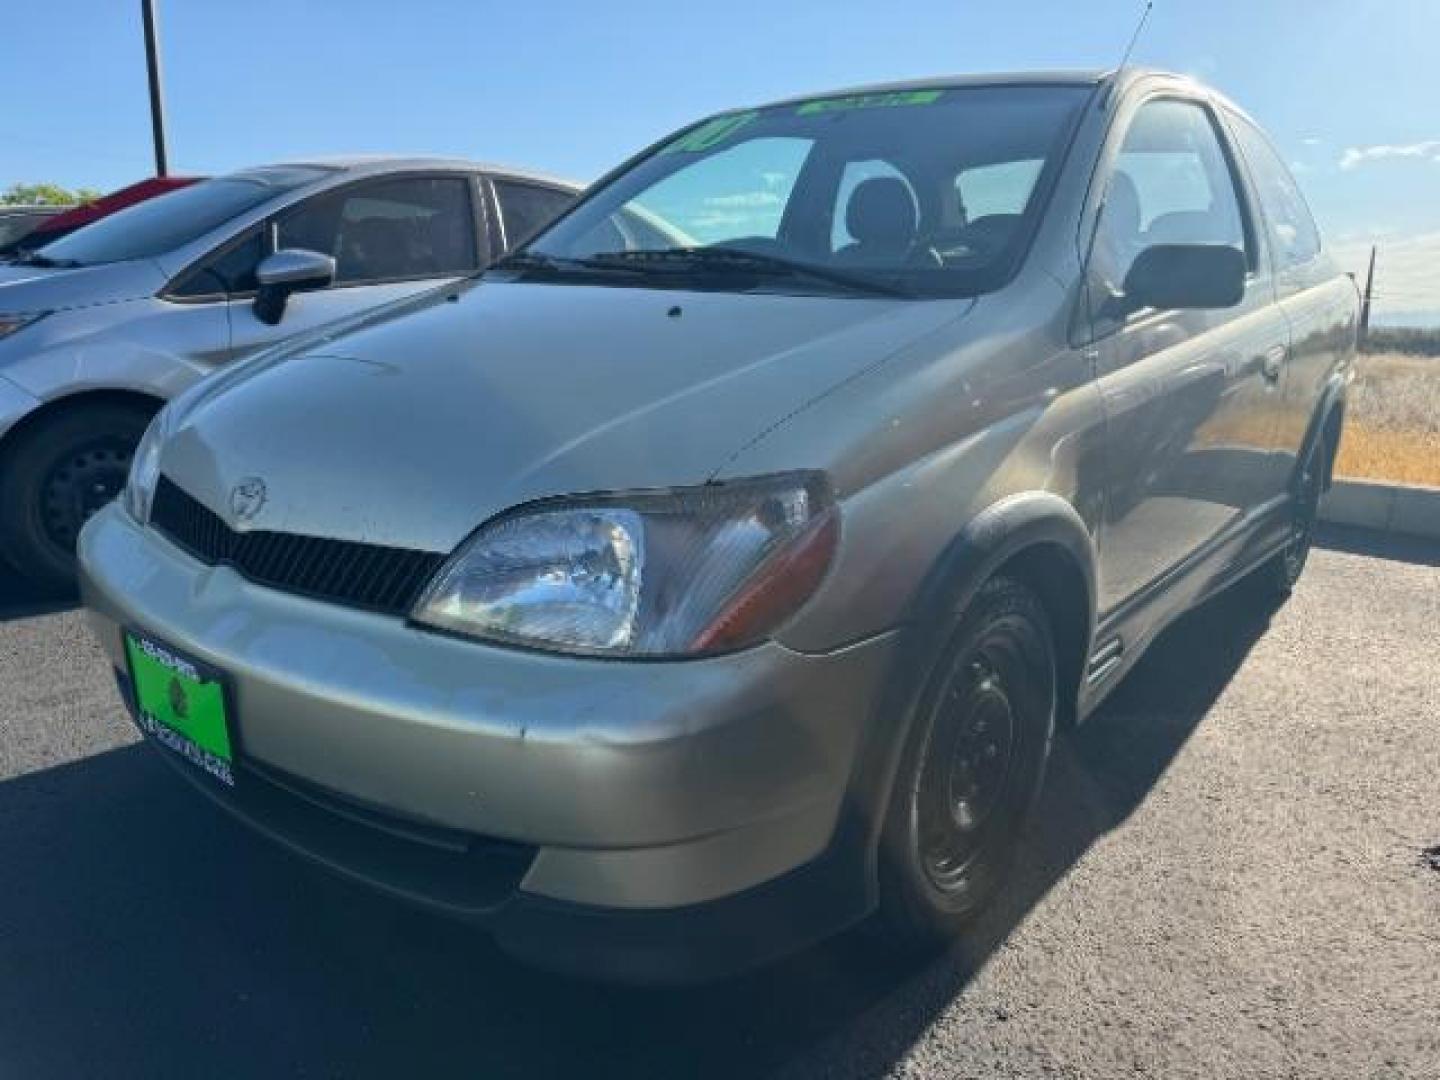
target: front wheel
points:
(972, 768)
(59, 473)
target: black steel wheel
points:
(56, 475)
(86, 478)
(966, 773)
(1284, 570)
(972, 768)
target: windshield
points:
(926, 191)
(171, 220)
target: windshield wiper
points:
(25, 257)
(741, 261)
(555, 264)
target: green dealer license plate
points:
(180, 703)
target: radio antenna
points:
(1144, 15)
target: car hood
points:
(43, 288)
(412, 430)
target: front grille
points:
(367, 576)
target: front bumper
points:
(664, 795)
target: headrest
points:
(882, 213)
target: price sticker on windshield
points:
(711, 133)
(869, 101)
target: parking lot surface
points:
(1227, 877)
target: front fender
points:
(15, 405)
(143, 346)
(995, 536)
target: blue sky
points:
(1350, 89)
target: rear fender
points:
(1329, 415)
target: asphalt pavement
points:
(1227, 877)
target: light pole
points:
(157, 103)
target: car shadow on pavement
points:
(1379, 545)
(20, 600)
(142, 933)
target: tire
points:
(971, 770)
(54, 477)
(1281, 574)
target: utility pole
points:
(157, 103)
(1365, 302)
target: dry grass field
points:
(1392, 425)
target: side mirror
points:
(289, 270)
(1180, 276)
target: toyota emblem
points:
(247, 497)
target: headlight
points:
(145, 467)
(10, 323)
(672, 573)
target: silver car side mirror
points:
(287, 271)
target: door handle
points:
(1274, 363)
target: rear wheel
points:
(1283, 572)
(59, 473)
(972, 769)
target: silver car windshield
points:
(927, 192)
(171, 220)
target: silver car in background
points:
(100, 327)
(716, 570)
(18, 222)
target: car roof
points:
(1115, 77)
(375, 164)
(1085, 77)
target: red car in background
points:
(67, 221)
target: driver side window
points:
(1171, 184)
(394, 229)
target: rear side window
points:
(1171, 184)
(1288, 223)
(389, 230)
(528, 208)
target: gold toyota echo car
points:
(714, 571)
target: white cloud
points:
(1358, 155)
(1368, 235)
(1312, 140)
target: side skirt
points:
(1123, 634)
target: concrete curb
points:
(1390, 508)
